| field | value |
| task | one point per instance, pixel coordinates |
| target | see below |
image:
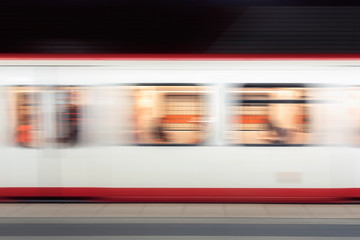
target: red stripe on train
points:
(231, 195)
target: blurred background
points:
(205, 26)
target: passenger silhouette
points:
(158, 132)
(281, 133)
(23, 132)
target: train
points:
(180, 128)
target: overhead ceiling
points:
(226, 26)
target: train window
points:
(182, 112)
(68, 102)
(170, 114)
(263, 114)
(354, 114)
(3, 112)
(27, 115)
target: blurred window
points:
(269, 114)
(68, 115)
(354, 114)
(170, 114)
(28, 116)
(183, 112)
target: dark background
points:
(211, 26)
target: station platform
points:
(141, 210)
(30, 221)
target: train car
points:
(180, 128)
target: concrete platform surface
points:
(305, 211)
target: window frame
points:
(229, 103)
(203, 142)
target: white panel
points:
(207, 166)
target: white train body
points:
(107, 165)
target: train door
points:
(335, 132)
(350, 172)
(74, 138)
(4, 163)
(87, 119)
(25, 134)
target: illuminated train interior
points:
(167, 114)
